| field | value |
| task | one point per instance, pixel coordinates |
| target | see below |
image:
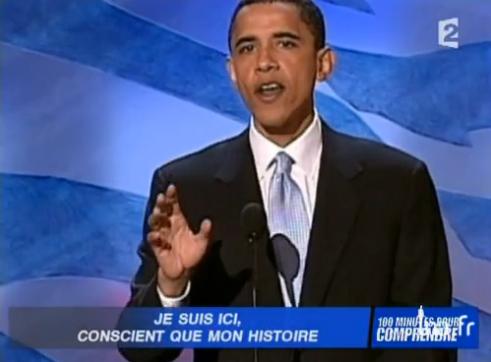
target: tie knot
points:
(283, 163)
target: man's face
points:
(274, 64)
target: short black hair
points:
(310, 14)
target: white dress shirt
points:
(306, 153)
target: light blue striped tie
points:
(289, 225)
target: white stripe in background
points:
(396, 28)
(76, 122)
(454, 168)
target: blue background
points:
(96, 94)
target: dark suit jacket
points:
(376, 239)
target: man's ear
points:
(231, 70)
(326, 59)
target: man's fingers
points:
(205, 230)
(158, 220)
(153, 237)
(153, 219)
(160, 198)
(163, 204)
(156, 239)
(172, 199)
(168, 202)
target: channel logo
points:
(448, 33)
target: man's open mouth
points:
(270, 91)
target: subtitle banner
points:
(191, 327)
(264, 327)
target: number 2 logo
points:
(448, 33)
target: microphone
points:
(287, 261)
(253, 223)
(252, 220)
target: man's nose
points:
(266, 62)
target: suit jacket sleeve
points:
(421, 274)
(144, 284)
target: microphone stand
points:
(253, 223)
(253, 241)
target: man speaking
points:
(349, 222)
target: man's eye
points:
(246, 49)
(287, 44)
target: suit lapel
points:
(334, 215)
(238, 173)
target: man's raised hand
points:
(174, 244)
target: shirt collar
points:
(303, 150)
